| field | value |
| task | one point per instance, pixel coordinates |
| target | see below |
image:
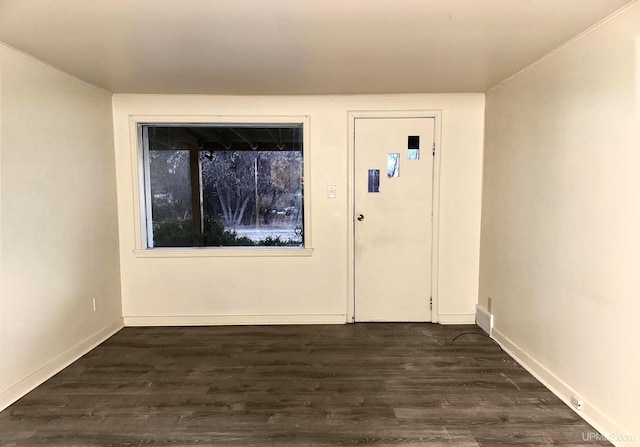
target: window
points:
(222, 185)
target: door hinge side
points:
(434, 148)
(431, 303)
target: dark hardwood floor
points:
(358, 384)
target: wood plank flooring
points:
(344, 385)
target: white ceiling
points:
(294, 46)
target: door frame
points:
(352, 115)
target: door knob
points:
(360, 217)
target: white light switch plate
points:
(331, 191)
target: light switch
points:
(331, 191)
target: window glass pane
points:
(249, 178)
(170, 198)
(252, 198)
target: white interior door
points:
(393, 218)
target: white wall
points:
(560, 246)
(58, 220)
(312, 289)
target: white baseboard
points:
(456, 318)
(233, 320)
(590, 413)
(51, 368)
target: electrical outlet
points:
(576, 403)
(95, 307)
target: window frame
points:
(142, 188)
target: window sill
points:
(224, 252)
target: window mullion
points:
(196, 197)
